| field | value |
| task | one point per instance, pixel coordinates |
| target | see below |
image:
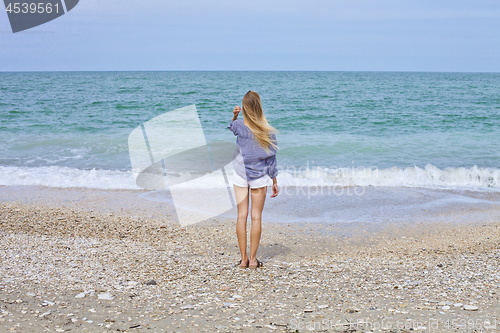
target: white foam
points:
(55, 176)
(474, 178)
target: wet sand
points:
(99, 261)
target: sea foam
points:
(428, 177)
(474, 178)
(56, 176)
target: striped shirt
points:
(251, 160)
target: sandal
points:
(259, 264)
(243, 267)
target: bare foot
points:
(244, 263)
(255, 263)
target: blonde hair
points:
(257, 122)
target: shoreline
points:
(378, 205)
(61, 255)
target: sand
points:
(100, 261)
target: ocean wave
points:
(56, 176)
(474, 178)
(428, 177)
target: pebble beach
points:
(84, 266)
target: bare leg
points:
(241, 194)
(258, 200)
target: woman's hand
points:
(236, 111)
(275, 189)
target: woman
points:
(255, 169)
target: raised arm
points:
(236, 111)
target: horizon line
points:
(245, 70)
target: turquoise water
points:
(341, 128)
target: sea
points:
(350, 130)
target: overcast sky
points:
(385, 35)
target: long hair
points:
(257, 122)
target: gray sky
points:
(385, 35)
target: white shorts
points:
(257, 183)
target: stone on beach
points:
(105, 296)
(470, 307)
